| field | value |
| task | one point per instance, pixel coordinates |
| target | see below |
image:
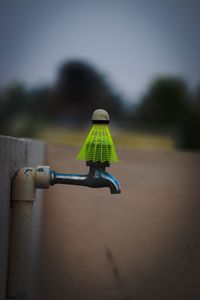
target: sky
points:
(129, 41)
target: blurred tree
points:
(41, 103)
(12, 101)
(197, 97)
(164, 105)
(2, 112)
(80, 90)
(189, 130)
(23, 110)
(168, 106)
(190, 126)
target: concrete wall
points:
(14, 154)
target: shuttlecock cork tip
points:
(100, 116)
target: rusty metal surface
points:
(42, 177)
(23, 185)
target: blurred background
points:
(138, 59)
(60, 60)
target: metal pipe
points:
(96, 178)
(24, 184)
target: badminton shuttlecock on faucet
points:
(98, 146)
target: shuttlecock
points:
(98, 146)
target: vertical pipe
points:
(19, 257)
(23, 196)
(24, 185)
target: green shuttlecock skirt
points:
(98, 146)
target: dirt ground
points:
(143, 244)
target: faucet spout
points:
(96, 178)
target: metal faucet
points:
(98, 150)
(96, 178)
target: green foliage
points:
(81, 89)
(167, 107)
(189, 131)
(165, 104)
(22, 110)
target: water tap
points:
(98, 151)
